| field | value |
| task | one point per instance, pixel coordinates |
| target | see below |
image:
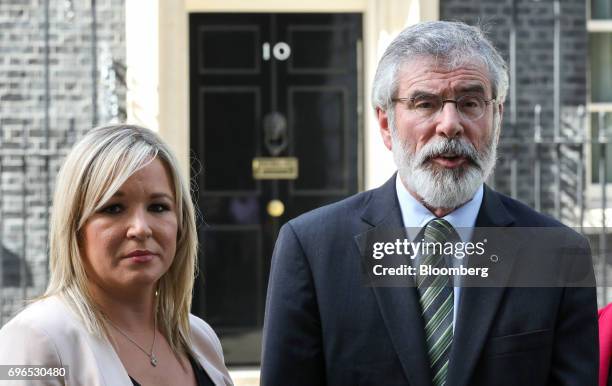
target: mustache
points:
(453, 146)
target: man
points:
(438, 94)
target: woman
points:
(123, 248)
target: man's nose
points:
(449, 123)
(139, 227)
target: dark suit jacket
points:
(324, 327)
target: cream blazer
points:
(48, 333)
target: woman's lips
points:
(141, 258)
(450, 162)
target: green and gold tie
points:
(437, 300)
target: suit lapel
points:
(399, 306)
(478, 305)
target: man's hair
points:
(96, 167)
(450, 44)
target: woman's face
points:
(131, 242)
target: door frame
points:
(158, 70)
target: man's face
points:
(445, 157)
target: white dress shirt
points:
(415, 215)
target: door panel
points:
(321, 58)
(319, 141)
(231, 258)
(223, 131)
(215, 53)
(265, 85)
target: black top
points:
(202, 379)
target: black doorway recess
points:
(283, 90)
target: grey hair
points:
(451, 44)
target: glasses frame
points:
(444, 101)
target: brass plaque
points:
(275, 168)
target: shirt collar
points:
(415, 215)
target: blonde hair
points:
(93, 171)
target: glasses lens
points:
(426, 105)
(471, 106)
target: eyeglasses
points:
(470, 107)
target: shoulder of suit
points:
(39, 333)
(207, 347)
(340, 210)
(203, 336)
(525, 215)
(49, 315)
(528, 217)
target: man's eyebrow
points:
(472, 88)
(418, 93)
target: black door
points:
(275, 127)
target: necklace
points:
(150, 354)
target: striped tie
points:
(436, 298)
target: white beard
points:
(437, 186)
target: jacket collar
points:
(383, 206)
(492, 212)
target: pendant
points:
(153, 360)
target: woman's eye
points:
(112, 209)
(159, 208)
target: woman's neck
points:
(129, 312)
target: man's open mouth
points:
(450, 160)
(449, 156)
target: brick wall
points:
(534, 84)
(43, 118)
(26, 118)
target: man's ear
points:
(500, 108)
(385, 129)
